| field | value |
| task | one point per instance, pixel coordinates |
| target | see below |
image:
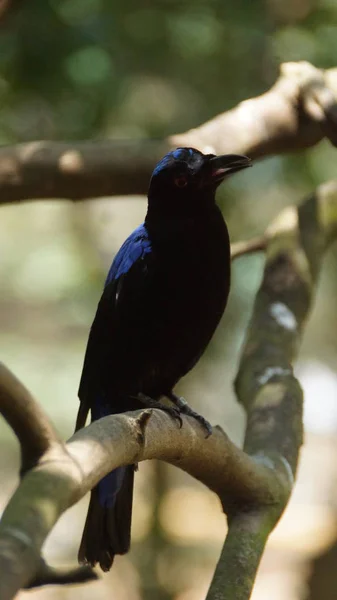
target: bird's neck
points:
(181, 228)
(192, 206)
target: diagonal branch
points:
(296, 113)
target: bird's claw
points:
(181, 407)
(205, 424)
(184, 408)
(173, 411)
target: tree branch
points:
(66, 472)
(240, 557)
(254, 485)
(49, 576)
(27, 419)
(265, 384)
(296, 113)
(257, 244)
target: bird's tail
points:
(107, 528)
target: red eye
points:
(181, 181)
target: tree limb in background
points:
(296, 113)
(65, 473)
(253, 485)
(257, 244)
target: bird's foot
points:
(149, 402)
(184, 408)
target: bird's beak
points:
(221, 166)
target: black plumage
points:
(164, 295)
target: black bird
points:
(164, 296)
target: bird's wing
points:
(125, 283)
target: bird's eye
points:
(180, 181)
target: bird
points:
(163, 298)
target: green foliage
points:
(82, 68)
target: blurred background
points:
(94, 69)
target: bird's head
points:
(185, 180)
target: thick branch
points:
(297, 112)
(65, 473)
(240, 557)
(265, 384)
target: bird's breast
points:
(194, 278)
